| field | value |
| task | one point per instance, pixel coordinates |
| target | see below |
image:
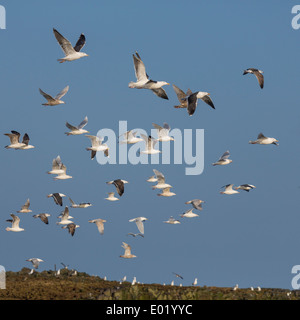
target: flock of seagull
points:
(186, 100)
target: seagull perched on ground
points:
(143, 81)
(161, 181)
(80, 205)
(258, 74)
(182, 97)
(166, 193)
(43, 217)
(15, 143)
(223, 159)
(25, 207)
(111, 197)
(97, 145)
(195, 282)
(127, 253)
(35, 262)
(130, 137)
(99, 223)
(15, 221)
(247, 187)
(64, 218)
(197, 204)
(71, 53)
(163, 132)
(150, 144)
(139, 223)
(77, 130)
(54, 101)
(172, 221)
(192, 101)
(63, 175)
(261, 139)
(57, 197)
(119, 184)
(71, 227)
(56, 166)
(189, 214)
(228, 189)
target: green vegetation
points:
(47, 286)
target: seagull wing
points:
(208, 100)
(80, 43)
(160, 92)
(16, 221)
(160, 177)
(140, 225)
(180, 94)
(261, 136)
(139, 67)
(26, 139)
(71, 127)
(192, 103)
(26, 205)
(83, 123)
(46, 95)
(260, 78)
(64, 43)
(62, 93)
(225, 155)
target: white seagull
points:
(35, 262)
(247, 187)
(228, 189)
(143, 81)
(189, 214)
(258, 74)
(130, 137)
(166, 193)
(223, 159)
(77, 130)
(71, 53)
(64, 218)
(14, 137)
(195, 282)
(261, 139)
(139, 223)
(196, 203)
(80, 205)
(150, 144)
(57, 197)
(172, 221)
(43, 217)
(97, 145)
(161, 181)
(63, 175)
(163, 132)
(15, 221)
(99, 223)
(56, 166)
(25, 207)
(152, 179)
(54, 101)
(127, 253)
(111, 197)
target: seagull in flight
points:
(35, 262)
(150, 144)
(223, 159)
(247, 187)
(63, 175)
(71, 53)
(119, 184)
(43, 217)
(64, 218)
(15, 221)
(196, 203)
(127, 253)
(143, 81)
(178, 275)
(228, 189)
(71, 227)
(97, 145)
(80, 205)
(161, 181)
(56, 166)
(130, 137)
(57, 197)
(54, 101)
(163, 132)
(192, 101)
(258, 74)
(25, 207)
(261, 139)
(139, 223)
(99, 223)
(15, 143)
(77, 130)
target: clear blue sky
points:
(249, 238)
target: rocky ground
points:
(48, 286)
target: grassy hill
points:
(47, 286)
